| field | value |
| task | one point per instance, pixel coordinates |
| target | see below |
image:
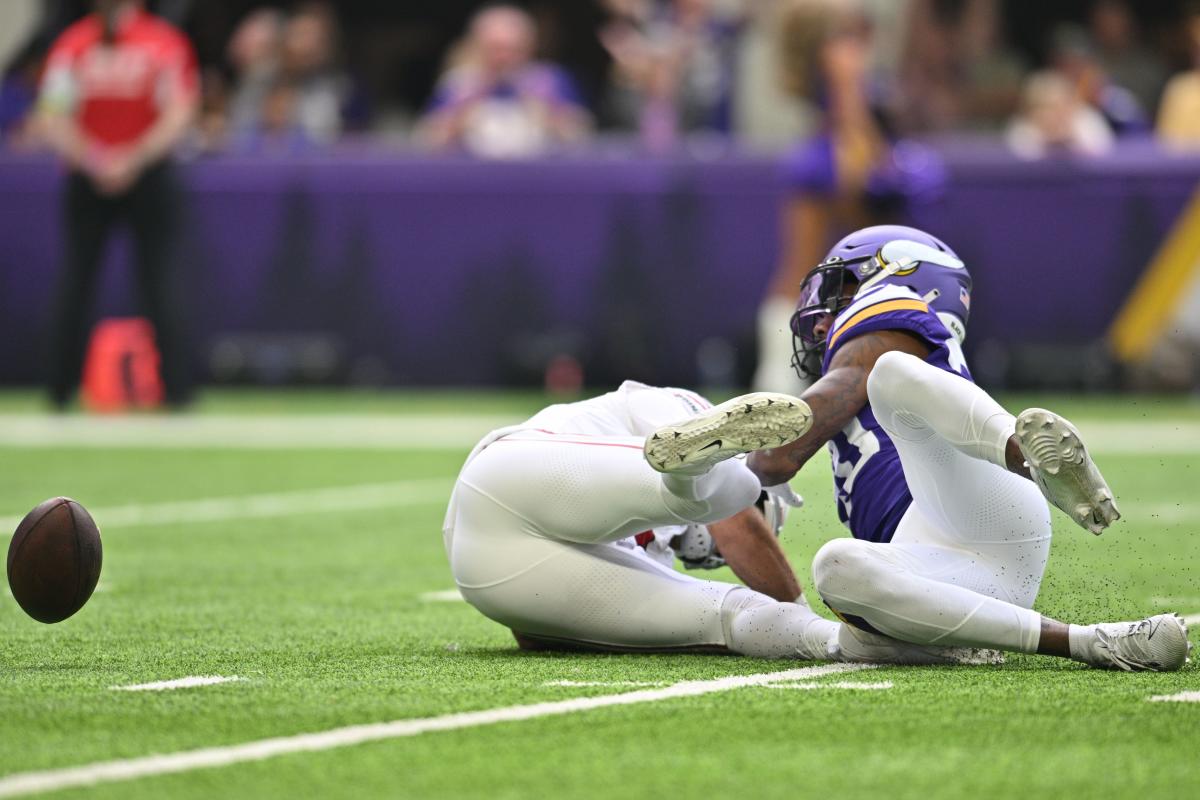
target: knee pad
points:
(835, 563)
(849, 568)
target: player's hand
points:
(116, 174)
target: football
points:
(54, 560)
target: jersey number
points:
(867, 444)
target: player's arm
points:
(179, 92)
(752, 551)
(835, 399)
(55, 119)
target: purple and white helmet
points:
(871, 257)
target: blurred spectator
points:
(1054, 120)
(497, 101)
(956, 68)
(853, 173)
(288, 86)
(1074, 56)
(1122, 55)
(18, 92)
(672, 69)
(120, 90)
(1179, 114)
(253, 53)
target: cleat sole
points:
(1060, 466)
(751, 422)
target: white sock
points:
(756, 625)
(857, 578)
(726, 489)
(1080, 639)
(909, 397)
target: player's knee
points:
(846, 568)
(892, 371)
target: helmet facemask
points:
(823, 293)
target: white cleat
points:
(1157, 644)
(1061, 467)
(741, 425)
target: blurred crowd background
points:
(837, 114)
(511, 80)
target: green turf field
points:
(315, 574)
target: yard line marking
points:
(1166, 601)
(258, 506)
(443, 596)
(1182, 697)
(376, 431)
(837, 685)
(1165, 512)
(189, 682)
(1191, 619)
(604, 683)
(133, 768)
(252, 432)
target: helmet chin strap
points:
(888, 269)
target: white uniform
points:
(967, 558)
(540, 528)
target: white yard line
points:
(432, 431)
(443, 596)
(133, 768)
(423, 491)
(1191, 619)
(1174, 601)
(308, 431)
(1182, 697)
(835, 685)
(639, 684)
(190, 682)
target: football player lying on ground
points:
(937, 483)
(560, 530)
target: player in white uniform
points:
(560, 530)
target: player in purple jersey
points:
(944, 492)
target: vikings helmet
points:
(871, 257)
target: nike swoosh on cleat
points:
(715, 443)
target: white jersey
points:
(633, 410)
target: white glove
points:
(775, 502)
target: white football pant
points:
(536, 528)
(967, 558)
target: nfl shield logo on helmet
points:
(965, 297)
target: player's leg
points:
(924, 589)
(590, 489)
(563, 594)
(154, 220)
(914, 400)
(953, 441)
(913, 593)
(87, 219)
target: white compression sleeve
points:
(756, 625)
(910, 397)
(726, 489)
(859, 578)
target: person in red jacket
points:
(119, 91)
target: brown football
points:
(54, 560)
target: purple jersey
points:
(869, 484)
